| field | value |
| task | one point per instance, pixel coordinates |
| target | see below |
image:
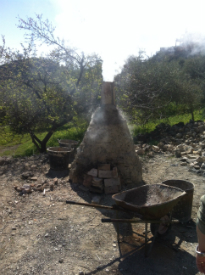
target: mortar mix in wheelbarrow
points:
(151, 203)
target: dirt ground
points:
(44, 235)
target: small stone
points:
(178, 135)
(160, 145)
(191, 156)
(184, 159)
(150, 154)
(13, 228)
(46, 235)
(33, 178)
(155, 148)
(168, 147)
(183, 164)
(18, 189)
(55, 181)
(140, 152)
(177, 154)
(200, 159)
(51, 186)
(26, 175)
(60, 261)
(96, 199)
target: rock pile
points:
(182, 141)
(42, 186)
(16, 166)
(176, 134)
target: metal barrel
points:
(182, 211)
(69, 144)
(59, 157)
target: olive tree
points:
(45, 93)
(150, 89)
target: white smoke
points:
(196, 40)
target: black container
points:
(59, 157)
(69, 143)
(182, 211)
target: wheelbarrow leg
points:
(117, 227)
(147, 252)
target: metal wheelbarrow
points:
(150, 203)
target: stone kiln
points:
(107, 141)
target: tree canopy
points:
(46, 92)
(162, 85)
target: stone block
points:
(87, 180)
(95, 189)
(114, 172)
(105, 167)
(96, 199)
(112, 189)
(97, 183)
(93, 172)
(104, 174)
(112, 182)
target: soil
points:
(44, 235)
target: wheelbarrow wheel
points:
(163, 228)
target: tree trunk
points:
(41, 145)
(192, 115)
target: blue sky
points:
(114, 29)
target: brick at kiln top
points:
(93, 172)
(104, 167)
(104, 174)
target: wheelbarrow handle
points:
(125, 220)
(71, 202)
(106, 220)
(94, 205)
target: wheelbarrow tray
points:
(150, 201)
